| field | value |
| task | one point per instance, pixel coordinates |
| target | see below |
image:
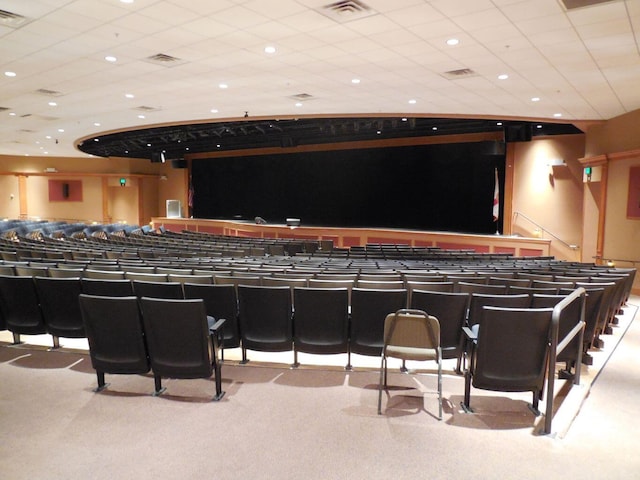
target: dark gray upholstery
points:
(181, 344)
(220, 301)
(172, 290)
(265, 318)
(321, 321)
(108, 288)
(450, 309)
(20, 306)
(510, 353)
(115, 334)
(60, 307)
(369, 308)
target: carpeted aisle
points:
(311, 423)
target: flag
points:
(496, 198)
(190, 194)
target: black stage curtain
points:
(447, 187)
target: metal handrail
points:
(568, 245)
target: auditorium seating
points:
(190, 257)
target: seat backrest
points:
(172, 290)
(265, 317)
(321, 320)
(65, 272)
(466, 287)
(512, 349)
(381, 284)
(188, 278)
(369, 308)
(107, 288)
(59, 304)
(450, 309)
(114, 331)
(103, 274)
(479, 300)
(411, 328)
(221, 301)
(20, 306)
(177, 335)
(147, 277)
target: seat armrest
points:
(219, 325)
(471, 335)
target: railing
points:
(543, 230)
(612, 261)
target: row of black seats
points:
(308, 320)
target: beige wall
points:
(135, 204)
(173, 188)
(618, 134)
(550, 197)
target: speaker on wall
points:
(65, 190)
(517, 133)
(157, 157)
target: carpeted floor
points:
(312, 423)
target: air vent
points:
(302, 97)
(146, 108)
(26, 130)
(460, 73)
(346, 11)
(164, 60)
(13, 20)
(573, 4)
(4, 109)
(49, 93)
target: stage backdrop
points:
(428, 187)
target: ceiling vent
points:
(49, 93)
(460, 73)
(302, 97)
(4, 109)
(13, 20)
(346, 11)
(573, 4)
(164, 60)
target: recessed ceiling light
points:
(557, 115)
(269, 49)
(499, 124)
(12, 114)
(223, 85)
(96, 124)
(53, 104)
(61, 130)
(503, 76)
(48, 137)
(10, 74)
(434, 128)
(412, 101)
(404, 119)
(355, 81)
(378, 132)
(96, 139)
(129, 95)
(218, 145)
(148, 144)
(453, 41)
(110, 58)
(538, 126)
(535, 99)
(126, 1)
(141, 116)
(214, 110)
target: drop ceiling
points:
(355, 61)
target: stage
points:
(349, 237)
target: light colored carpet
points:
(313, 423)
